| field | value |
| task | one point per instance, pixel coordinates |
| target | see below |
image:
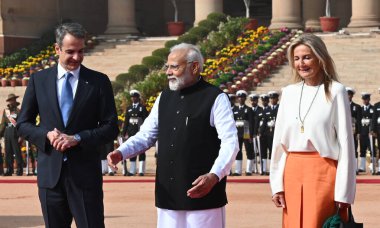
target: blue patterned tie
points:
(66, 98)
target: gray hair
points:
(74, 29)
(193, 53)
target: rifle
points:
(261, 160)
(255, 149)
(373, 160)
(27, 157)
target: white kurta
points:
(327, 129)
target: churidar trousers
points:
(309, 183)
(210, 218)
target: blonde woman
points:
(313, 162)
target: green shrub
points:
(200, 32)
(123, 78)
(116, 87)
(138, 70)
(153, 62)
(155, 82)
(217, 17)
(161, 52)
(171, 43)
(209, 25)
(188, 38)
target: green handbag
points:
(336, 222)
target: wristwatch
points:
(77, 138)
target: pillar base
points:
(121, 30)
(289, 25)
(361, 29)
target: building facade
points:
(22, 22)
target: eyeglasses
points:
(173, 67)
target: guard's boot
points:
(362, 165)
(132, 169)
(141, 168)
(249, 168)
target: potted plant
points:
(14, 81)
(4, 82)
(252, 24)
(329, 23)
(175, 28)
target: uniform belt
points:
(9, 125)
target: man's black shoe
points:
(141, 174)
(248, 174)
(8, 174)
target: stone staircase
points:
(111, 57)
(357, 59)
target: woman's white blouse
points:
(327, 129)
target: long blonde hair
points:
(319, 49)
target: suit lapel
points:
(52, 94)
(81, 93)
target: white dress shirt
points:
(221, 118)
(61, 78)
(327, 129)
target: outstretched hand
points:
(113, 158)
(202, 185)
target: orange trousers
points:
(309, 183)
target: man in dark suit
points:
(77, 116)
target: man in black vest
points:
(367, 112)
(134, 117)
(356, 117)
(193, 122)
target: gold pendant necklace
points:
(299, 108)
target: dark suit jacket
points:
(93, 117)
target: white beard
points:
(177, 83)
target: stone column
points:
(365, 15)
(286, 13)
(205, 7)
(121, 17)
(312, 10)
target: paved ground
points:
(129, 201)
(131, 204)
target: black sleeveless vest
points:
(187, 147)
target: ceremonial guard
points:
(356, 118)
(232, 98)
(365, 137)
(273, 99)
(134, 118)
(376, 130)
(242, 116)
(265, 133)
(11, 139)
(256, 109)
